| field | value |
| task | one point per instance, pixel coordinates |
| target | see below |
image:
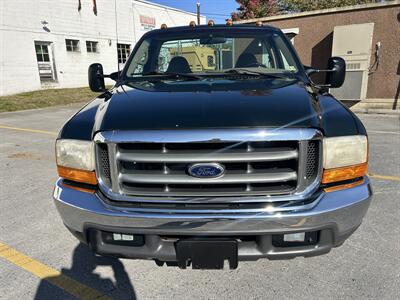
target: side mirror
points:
(337, 74)
(96, 78)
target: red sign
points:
(148, 21)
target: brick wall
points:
(314, 43)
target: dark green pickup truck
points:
(187, 165)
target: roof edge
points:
(322, 11)
(168, 7)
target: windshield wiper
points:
(157, 76)
(184, 75)
(173, 75)
(246, 72)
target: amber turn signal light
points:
(88, 177)
(344, 173)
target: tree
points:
(306, 5)
(249, 9)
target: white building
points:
(51, 43)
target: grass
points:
(46, 98)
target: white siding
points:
(20, 27)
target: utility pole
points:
(198, 12)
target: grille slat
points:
(149, 177)
(206, 156)
(204, 190)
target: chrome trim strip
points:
(297, 196)
(207, 135)
(112, 153)
(301, 178)
(267, 209)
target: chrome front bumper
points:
(340, 212)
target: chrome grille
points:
(251, 168)
(152, 166)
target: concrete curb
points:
(376, 111)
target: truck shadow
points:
(320, 55)
(84, 264)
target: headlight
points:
(345, 158)
(345, 151)
(75, 160)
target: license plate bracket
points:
(206, 253)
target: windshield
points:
(211, 53)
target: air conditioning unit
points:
(354, 44)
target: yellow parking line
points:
(28, 130)
(51, 275)
(384, 177)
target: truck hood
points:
(208, 104)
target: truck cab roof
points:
(215, 28)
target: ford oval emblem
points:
(210, 170)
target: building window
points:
(72, 45)
(42, 53)
(91, 46)
(123, 52)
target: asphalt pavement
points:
(41, 260)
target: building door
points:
(45, 61)
(353, 43)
